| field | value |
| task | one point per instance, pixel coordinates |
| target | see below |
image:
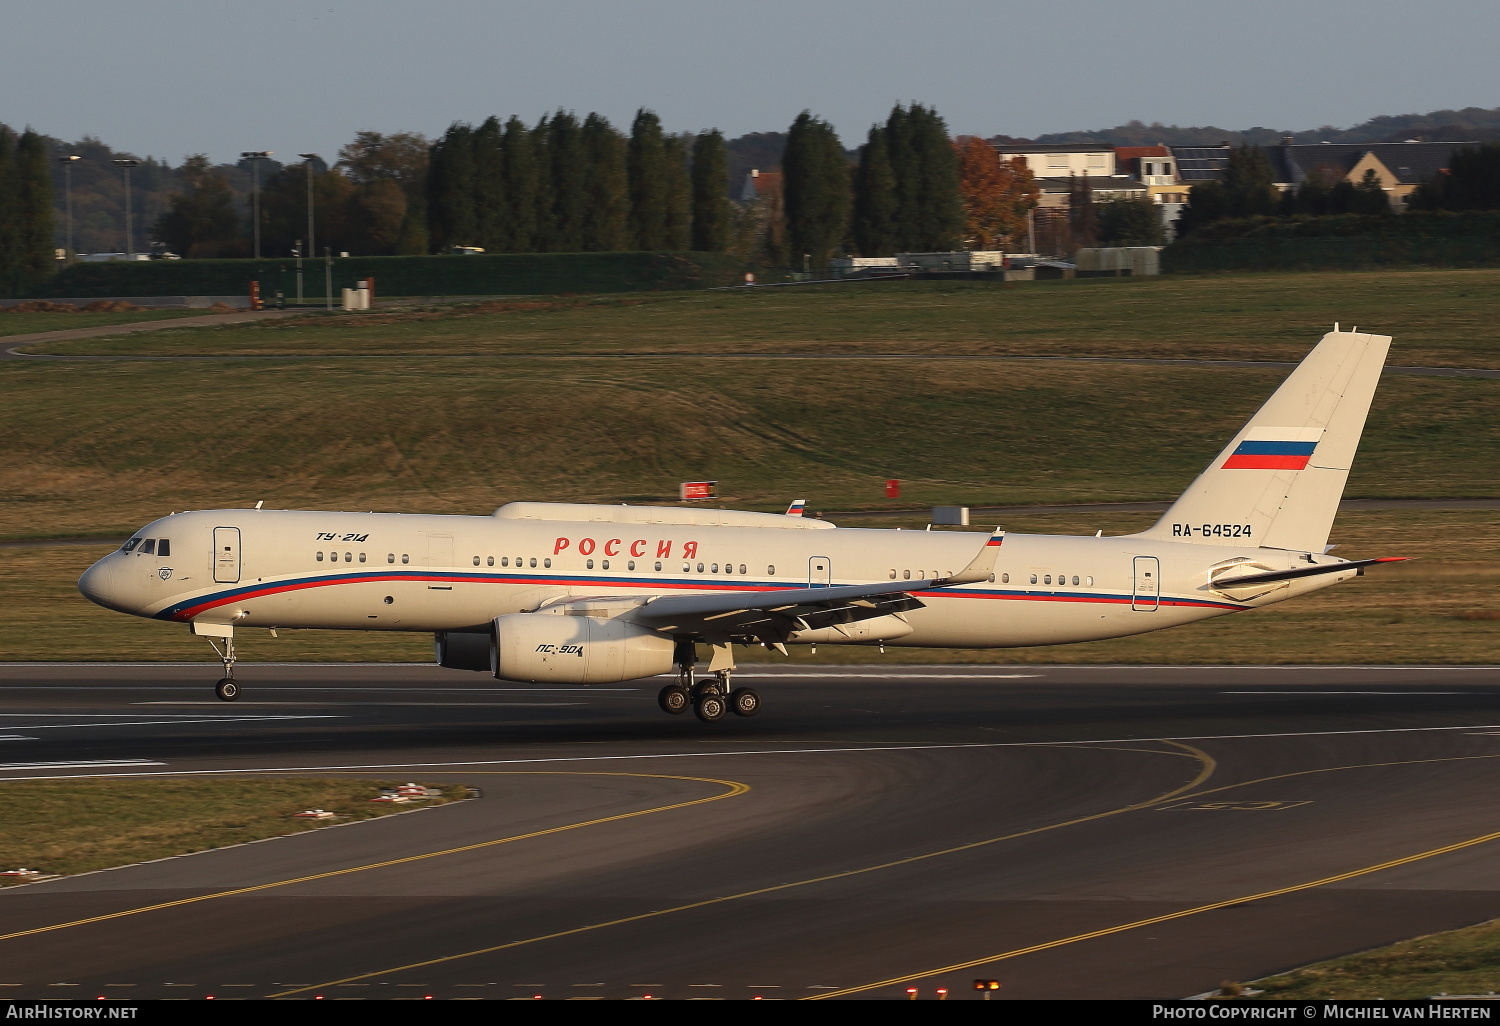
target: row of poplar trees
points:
(569, 186)
(26, 217)
(902, 195)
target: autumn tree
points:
(996, 194)
(400, 157)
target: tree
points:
(817, 189)
(520, 183)
(940, 216)
(541, 149)
(874, 222)
(10, 216)
(1370, 196)
(606, 186)
(400, 157)
(1083, 221)
(378, 211)
(712, 213)
(450, 188)
(37, 260)
(1130, 222)
(678, 233)
(565, 159)
(492, 214)
(996, 194)
(202, 221)
(647, 166)
(1249, 184)
(1470, 182)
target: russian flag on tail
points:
(796, 508)
(1273, 448)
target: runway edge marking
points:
(735, 789)
(1206, 768)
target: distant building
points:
(1399, 167)
(760, 185)
(1063, 159)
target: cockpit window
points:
(132, 543)
(148, 546)
(164, 547)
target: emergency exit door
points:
(819, 572)
(227, 555)
(1146, 597)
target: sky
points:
(172, 77)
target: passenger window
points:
(164, 547)
(1047, 579)
(533, 561)
(1005, 578)
(505, 561)
(893, 575)
(1033, 578)
(489, 561)
(148, 546)
(713, 569)
(631, 564)
(687, 568)
(658, 566)
(390, 557)
(348, 557)
(700, 568)
(1089, 581)
(742, 568)
(547, 563)
(588, 565)
(770, 571)
(132, 543)
(476, 560)
(361, 557)
(604, 564)
(405, 557)
(1075, 579)
(906, 575)
(320, 557)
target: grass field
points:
(1442, 609)
(1438, 317)
(74, 826)
(26, 323)
(1457, 962)
(101, 448)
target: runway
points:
(1074, 832)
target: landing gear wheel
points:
(708, 686)
(710, 707)
(744, 702)
(227, 690)
(673, 699)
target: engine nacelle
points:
(557, 648)
(461, 650)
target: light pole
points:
(67, 163)
(308, 159)
(127, 163)
(255, 157)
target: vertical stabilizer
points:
(1278, 483)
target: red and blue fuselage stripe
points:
(188, 608)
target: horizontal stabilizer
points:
(1303, 571)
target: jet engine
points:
(463, 650)
(564, 648)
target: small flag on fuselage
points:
(796, 508)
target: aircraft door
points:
(819, 572)
(227, 555)
(1146, 595)
(439, 550)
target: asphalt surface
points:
(1071, 831)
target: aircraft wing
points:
(773, 615)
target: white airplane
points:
(592, 594)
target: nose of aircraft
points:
(98, 584)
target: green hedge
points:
(1340, 242)
(479, 275)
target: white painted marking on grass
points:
(17, 737)
(777, 751)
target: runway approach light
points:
(911, 993)
(987, 986)
(942, 993)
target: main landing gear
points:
(710, 697)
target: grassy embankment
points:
(27, 323)
(1463, 961)
(1438, 318)
(100, 448)
(74, 826)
